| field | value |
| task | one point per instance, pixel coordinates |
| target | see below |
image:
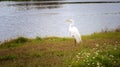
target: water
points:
(31, 19)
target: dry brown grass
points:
(50, 52)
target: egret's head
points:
(69, 20)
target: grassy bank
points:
(96, 50)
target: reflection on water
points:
(31, 19)
(54, 4)
(37, 5)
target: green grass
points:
(96, 50)
(8, 57)
(14, 42)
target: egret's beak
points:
(68, 21)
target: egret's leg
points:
(75, 42)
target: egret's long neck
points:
(72, 24)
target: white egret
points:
(74, 31)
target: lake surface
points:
(31, 19)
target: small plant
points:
(21, 40)
(97, 58)
(38, 38)
(118, 29)
(14, 42)
(8, 57)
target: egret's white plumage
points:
(74, 31)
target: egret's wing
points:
(75, 33)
